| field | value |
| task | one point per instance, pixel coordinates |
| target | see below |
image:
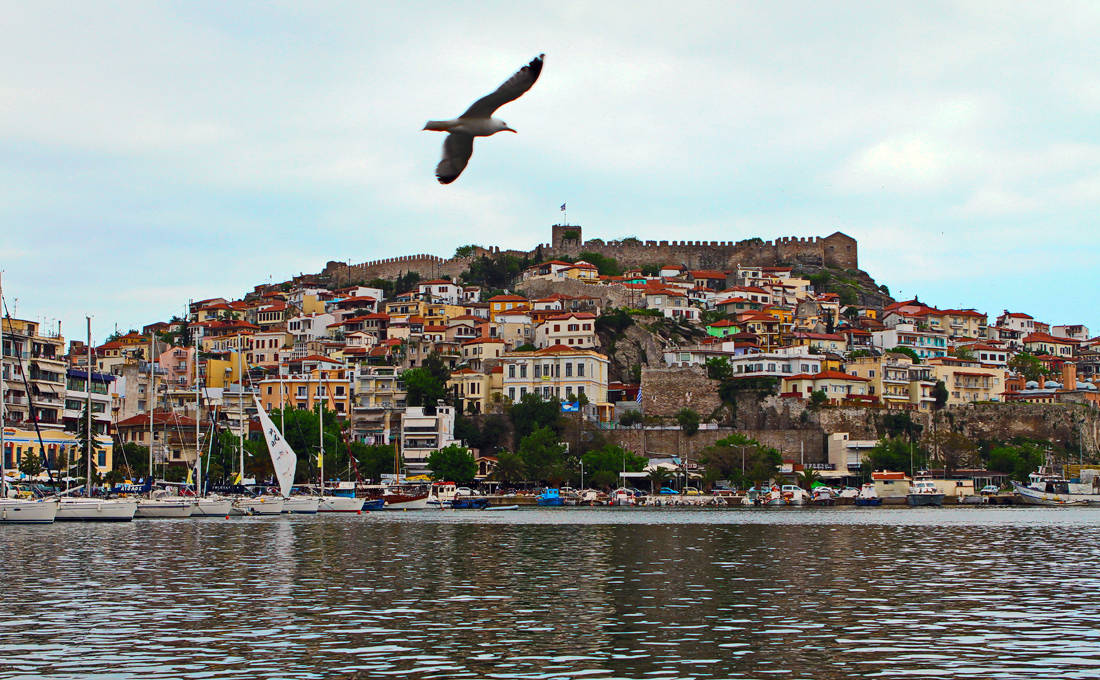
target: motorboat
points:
(848, 492)
(623, 497)
(82, 509)
(923, 492)
(374, 504)
(868, 497)
(342, 499)
(464, 502)
(549, 498)
(1045, 487)
(824, 495)
(794, 494)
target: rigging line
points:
(30, 399)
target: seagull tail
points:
(438, 125)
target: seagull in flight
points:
(477, 121)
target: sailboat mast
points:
(240, 403)
(198, 447)
(321, 436)
(88, 387)
(152, 405)
(3, 388)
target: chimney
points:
(1042, 381)
(1069, 376)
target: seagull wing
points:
(512, 88)
(457, 149)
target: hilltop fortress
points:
(837, 250)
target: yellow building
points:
(895, 380)
(582, 271)
(836, 386)
(58, 445)
(476, 390)
(503, 304)
(554, 373)
(968, 381)
(223, 372)
(331, 386)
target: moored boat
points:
(212, 506)
(1045, 487)
(406, 497)
(302, 504)
(923, 492)
(28, 510)
(81, 509)
(162, 505)
(868, 497)
(550, 498)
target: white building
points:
(571, 330)
(425, 430)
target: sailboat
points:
(285, 462)
(159, 503)
(18, 510)
(262, 504)
(88, 508)
(206, 505)
(331, 503)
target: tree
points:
(718, 368)
(509, 468)
(543, 455)
(603, 465)
(87, 448)
(1027, 365)
(1016, 460)
(532, 412)
(30, 463)
(953, 450)
(631, 418)
(907, 352)
(818, 398)
(807, 478)
(963, 352)
(895, 453)
(688, 420)
(301, 429)
(607, 266)
(940, 394)
(453, 463)
(741, 458)
(901, 424)
(465, 251)
(373, 461)
(857, 353)
(423, 388)
(657, 478)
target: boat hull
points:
(404, 502)
(917, 500)
(96, 510)
(301, 505)
(261, 505)
(469, 503)
(869, 502)
(340, 504)
(19, 511)
(213, 507)
(1035, 497)
(157, 508)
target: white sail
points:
(282, 456)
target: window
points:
(511, 371)
(523, 370)
(301, 391)
(568, 370)
(538, 371)
(339, 390)
(580, 369)
(522, 392)
(580, 390)
(512, 393)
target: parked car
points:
(667, 491)
(989, 490)
(691, 491)
(465, 491)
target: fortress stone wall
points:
(837, 250)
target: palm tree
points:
(807, 477)
(657, 478)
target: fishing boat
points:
(1046, 487)
(549, 498)
(923, 492)
(794, 494)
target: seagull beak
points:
(508, 129)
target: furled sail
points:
(282, 456)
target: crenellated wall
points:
(836, 250)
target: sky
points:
(157, 152)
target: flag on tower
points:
(563, 207)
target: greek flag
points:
(639, 397)
(567, 407)
(563, 207)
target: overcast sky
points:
(151, 153)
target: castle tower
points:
(565, 236)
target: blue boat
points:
(549, 498)
(374, 504)
(469, 503)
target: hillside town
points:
(663, 359)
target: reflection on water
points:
(565, 593)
